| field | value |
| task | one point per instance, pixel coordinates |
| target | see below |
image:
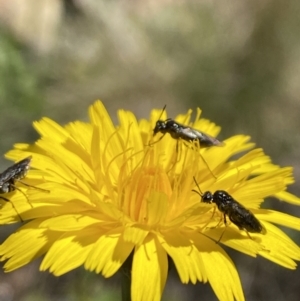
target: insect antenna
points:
(164, 108)
(200, 193)
(159, 118)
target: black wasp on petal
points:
(12, 174)
(177, 130)
(243, 218)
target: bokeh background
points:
(237, 60)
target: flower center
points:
(147, 194)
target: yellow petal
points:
(100, 117)
(279, 218)
(186, 257)
(135, 234)
(69, 252)
(232, 237)
(70, 222)
(149, 271)
(279, 248)
(288, 197)
(48, 128)
(221, 272)
(25, 245)
(108, 253)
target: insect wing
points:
(22, 167)
(7, 175)
(189, 134)
(244, 218)
(206, 140)
(15, 171)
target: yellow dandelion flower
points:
(110, 193)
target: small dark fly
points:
(13, 174)
(186, 133)
(177, 130)
(243, 218)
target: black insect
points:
(177, 130)
(12, 174)
(243, 218)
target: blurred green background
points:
(237, 60)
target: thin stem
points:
(126, 279)
(126, 284)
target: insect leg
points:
(206, 164)
(28, 185)
(16, 188)
(225, 222)
(177, 158)
(214, 211)
(178, 151)
(225, 230)
(248, 234)
(220, 221)
(221, 236)
(197, 146)
(150, 144)
(7, 200)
